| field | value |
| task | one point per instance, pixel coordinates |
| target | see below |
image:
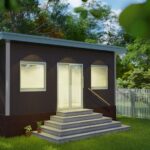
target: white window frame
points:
(33, 89)
(100, 88)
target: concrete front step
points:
(76, 118)
(76, 124)
(84, 129)
(57, 139)
(74, 112)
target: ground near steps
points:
(137, 138)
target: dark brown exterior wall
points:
(26, 106)
(23, 103)
(2, 77)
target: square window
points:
(99, 77)
(32, 76)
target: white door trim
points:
(7, 80)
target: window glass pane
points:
(63, 86)
(76, 85)
(99, 77)
(32, 76)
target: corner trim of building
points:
(115, 77)
(7, 80)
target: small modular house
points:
(40, 76)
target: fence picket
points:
(133, 102)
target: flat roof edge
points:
(59, 42)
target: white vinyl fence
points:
(133, 102)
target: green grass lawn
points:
(137, 138)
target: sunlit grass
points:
(137, 138)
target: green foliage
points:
(100, 12)
(136, 78)
(9, 5)
(28, 128)
(114, 37)
(84, 0)
(122, 67)
(93, 9)
(138, 54)
(54, 19)
(135, 19)
(82, 11)
(91, 16)
(21, 20)
(75, 29)
(96, 13)
(133, 69)
(51, 21)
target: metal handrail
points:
(99, 97)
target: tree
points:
(93, 9)
(136, 78)
(55, 20)
(122, 67)
(52, 19)
(76, 29)
(29, 18)
(139, 54)
(134, 70)
(20, 20)
(95, 14)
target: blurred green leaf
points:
(13, 4)
(100, 12)
(2, 5)
(82, 11)
(8, 5)
(135, 19)
(97, 13)
(79, 9)
(84, 0)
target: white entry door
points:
(69, 86)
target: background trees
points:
(21, 19)
(136, 65)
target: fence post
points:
(132, 99)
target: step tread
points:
(76, 122)
(69, 117)
(74, 110)
(83, 127)
(122, 127)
